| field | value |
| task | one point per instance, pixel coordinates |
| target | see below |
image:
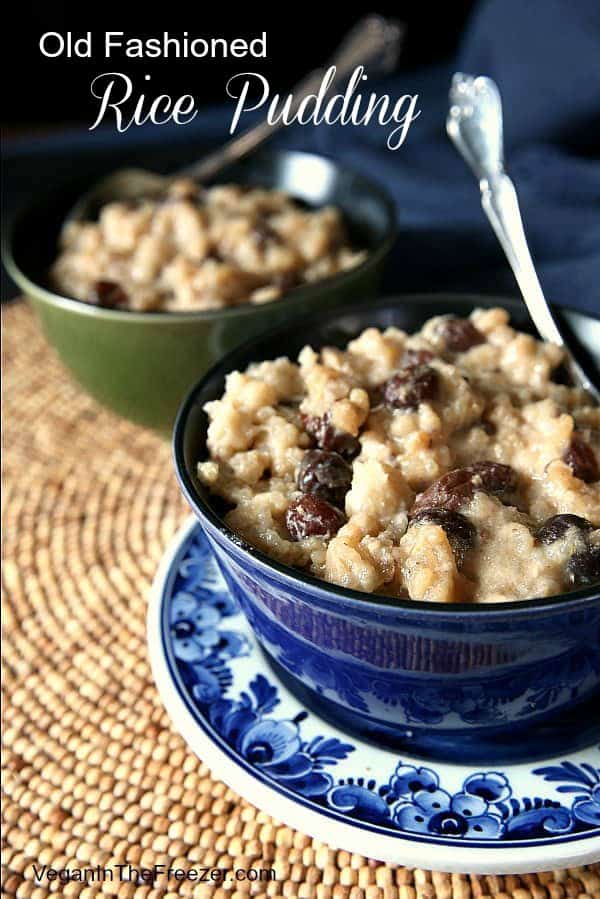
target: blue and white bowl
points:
(234, 712)
(491, 682)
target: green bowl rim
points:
(296, 296)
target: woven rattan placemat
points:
(93, 772)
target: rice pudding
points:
(449, 465)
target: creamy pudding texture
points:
(445, 466)
(199, 249)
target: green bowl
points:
(142, 364)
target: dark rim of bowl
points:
(293, 297)
(363, 601)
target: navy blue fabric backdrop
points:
(545, 57)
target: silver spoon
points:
(474, 125)
(374, 42)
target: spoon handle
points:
(500, 203)
(474, 125)
(374, 43)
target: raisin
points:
(416, 357)
(310, 516)
(109, 294)
(459, 334)
(493, 477)
(458, 529)
(451, 491)
(410, 386)
(325, 474)
(580, 458)
(457, 487)
(583, 568)
(557, 526)
(327, 437)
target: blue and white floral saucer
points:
(230, 707)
